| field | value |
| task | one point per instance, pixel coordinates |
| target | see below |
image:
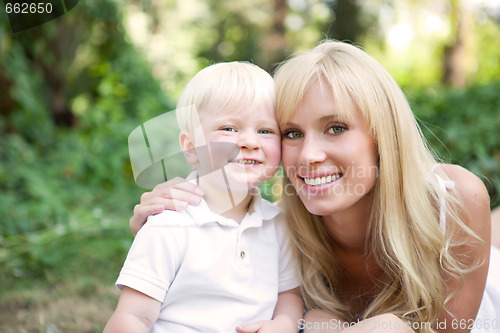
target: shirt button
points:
(242, 254)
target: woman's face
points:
(328, 154)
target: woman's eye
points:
(292, 134)
(336, 129)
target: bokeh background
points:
(73, 89)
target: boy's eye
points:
(292, 134)
(336, 129)
(228, 129)
(265, 131)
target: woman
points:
(381, 230)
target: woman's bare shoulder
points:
(467, 183)
(472, 191)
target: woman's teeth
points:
(322, 180)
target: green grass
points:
(81, 304)
(75, 290)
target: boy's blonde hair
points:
(224, 87)
(403, 236)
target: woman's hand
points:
(174, 194)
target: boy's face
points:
(257, 141)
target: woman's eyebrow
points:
(325, 118)
(332, 117)
(288, 124)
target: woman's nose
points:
(311, 151)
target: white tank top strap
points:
(444, 185)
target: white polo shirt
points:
(211, 273)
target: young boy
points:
(227, 261)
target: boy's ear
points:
(187, 145)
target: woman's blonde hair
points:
(404, 235)
(224, 87)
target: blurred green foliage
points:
(462, 127)
(67, 189)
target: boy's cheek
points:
(272, 148)
(276, 158)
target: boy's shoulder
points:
(171, 218)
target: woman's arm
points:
(174, 194)
(319, 321)
(495, 227)
(135, 313)
(463, 307)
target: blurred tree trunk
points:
(454, 56)
(346, 25)
(51, 56)
(274, 45)
(6, 101)
(63, 46)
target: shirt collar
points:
(259, 210)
